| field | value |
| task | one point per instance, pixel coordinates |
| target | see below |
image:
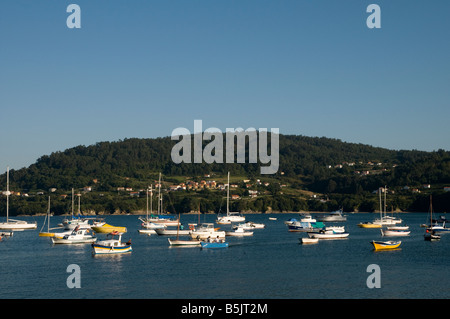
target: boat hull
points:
(309, 241)
(73, 241)
(17, 226)
(395, 233)
(328, 236)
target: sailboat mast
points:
(228, 195)
(72, 202)
(381, 209)
(7, 194)
(48, 214)
(385, 191)
(159, 196)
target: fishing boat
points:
(78, 236)
(308, 240)
(230, 217)
(394, 233)
(327, 234)
(113, 245)
(239, 232)
(205, 231)
(385, 245)
(13, 224)
(335, 216)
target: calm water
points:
(269, 265)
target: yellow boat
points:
(46, 234)
(385, 245)
(106, 229)
(369, 225)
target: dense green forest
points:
(317, 174)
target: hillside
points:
(339, 174)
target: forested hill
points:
(313, 161)
(343, 174)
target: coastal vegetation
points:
(315, 174)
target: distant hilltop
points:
(315, 173)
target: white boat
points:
(77, 236)
(272, 218)
(230, 217)
(336, 216)
(149, 227)
(306, 224)
(239, 232)
(307, 240)
(336, 229)
(113, 245)
(14, 224)
(327, 235)
(392, 233)
(397, 227)
(250, 226)
(168, 231)
(80, 222)
(205, 231)
(160, 218)
(177, 242)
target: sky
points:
(143, 68)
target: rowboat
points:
(307, 240)
(385, 245)
(369, 225)
(113, 245)
(176, 242)
(213, 245)
(106, 229)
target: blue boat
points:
(214, 245)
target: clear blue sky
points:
(142, 68)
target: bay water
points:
(271, 264)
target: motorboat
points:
(335, 216)
(250, 226)
(77, 236)
(113, 245)
(397, 227)
(306, 224)
(385, 245)
(328, 234)
(239, 232)
(431, 235)
(205, 231)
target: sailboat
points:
(178, 242)
(162, 219)
(13, 224)
(47, 221)
(231, 217)
(149, 227)
(385, 220)
(71, 224)
(430, 233)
